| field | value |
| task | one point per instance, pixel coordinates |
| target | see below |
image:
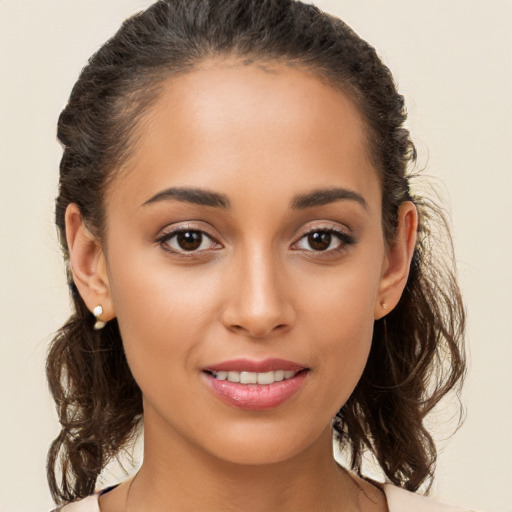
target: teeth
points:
(266, 378)
(255, 378)
(233, 377)
(248, 378)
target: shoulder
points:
(400, 500)
(89, 504)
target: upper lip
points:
(249, 365)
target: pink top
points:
(399, 500)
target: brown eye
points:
(324, 240)
(320, 240)
(189, 240)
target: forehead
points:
(254, 122)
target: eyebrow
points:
(191, 195)
(202, 197)
(325, 196)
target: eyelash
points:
(344, 239)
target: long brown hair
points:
(416, 355)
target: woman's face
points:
(244, 241)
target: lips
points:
(255, 385)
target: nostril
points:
(238, 329)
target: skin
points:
(256, 288)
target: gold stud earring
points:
(97, 312)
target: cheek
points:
(163, 314)
(342, 301)
(340, 316)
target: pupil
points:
(319, 241)
(189, 240)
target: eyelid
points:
(326, 225)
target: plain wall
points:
(452, 60)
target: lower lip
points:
(256, 397)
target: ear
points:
(88, 265)
(397, 262)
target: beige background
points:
(452, 60)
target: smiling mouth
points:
(262, 378)
(256, 386)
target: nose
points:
(258, 303)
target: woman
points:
(250, 270)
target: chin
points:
(265, 444)
(256, 455)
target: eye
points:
(188, 241)
(323, 240)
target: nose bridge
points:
(257, 301)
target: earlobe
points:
(397, 263)
(88, 265)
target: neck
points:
(178, 476)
